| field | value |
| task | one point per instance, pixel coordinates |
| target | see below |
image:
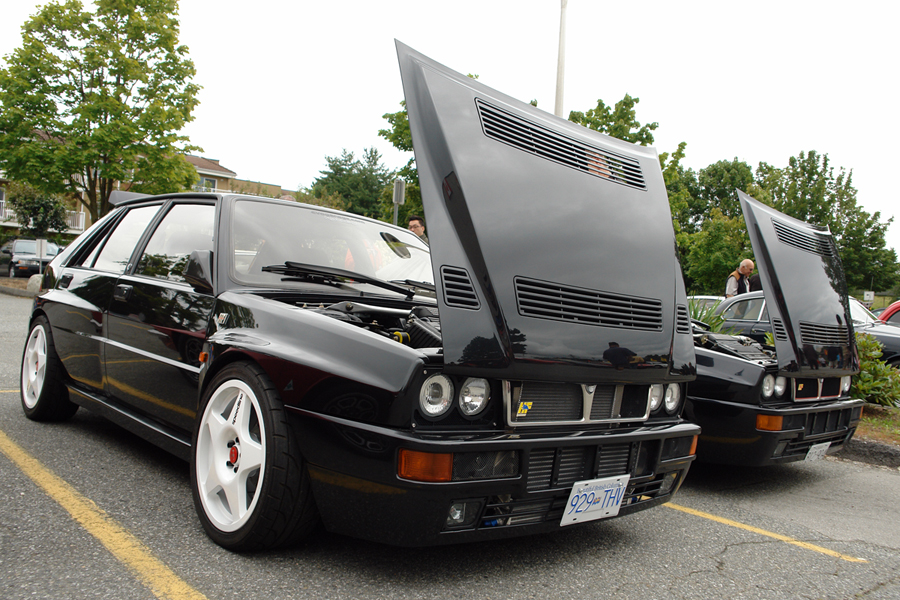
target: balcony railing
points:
(74, 220)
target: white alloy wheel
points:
(34, 367)
(230, 459)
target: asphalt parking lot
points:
(89, 511)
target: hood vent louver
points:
(458, 289)
(682, 320)
(779, 331)
(803, 240)
(520, 133)
(816, 334)
(557, 302)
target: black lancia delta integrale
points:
(526, 374)
(789, 399)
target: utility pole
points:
(561, 64)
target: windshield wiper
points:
(318, 274)
(424, 285)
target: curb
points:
(11, 291)
(873, 453)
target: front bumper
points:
(353, 469)
(23, 270)
(730, 435)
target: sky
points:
(287, 83)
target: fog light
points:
(668, 483)
(463, 514)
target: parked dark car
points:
(761, 404)
(19, 258)
(316, 365)
(748, 315)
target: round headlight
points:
(657, 390)
(474, 396)
(780, 386)
(768, 386)
(436, 395)
(673, 398)
(845, 384)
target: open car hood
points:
(552, 245)
(806, 293)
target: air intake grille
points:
(546, 300)
(778, 330)
(458, 289)
(532, 138)
(804, 240)
(816, 334)
(682, 320)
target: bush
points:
(877, 382)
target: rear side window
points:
(744, 310)
(120, 245)
(187, 227)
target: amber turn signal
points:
(424, 466)
(769, 422)
(694, 446)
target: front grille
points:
(801, 447)
(809, 388)
(816, 334)
(530, 403)
(553, 468)
(511, 129)
(558, 302)
(807, 241)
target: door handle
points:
(65, 280)
(122, 292)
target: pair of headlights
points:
(668, 396)
(437, 394)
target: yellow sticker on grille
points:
(524, 407)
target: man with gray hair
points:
(738, 282)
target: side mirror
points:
(199, 271)
(6, 251)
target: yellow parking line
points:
(770, 534)
(9, 391)
(161, 580)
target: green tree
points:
(358, 181)
(809, 189)
(716, 251)
(91, 99)
(38, 213)
(718, 186)
(400, 137)
(619, 122)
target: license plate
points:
(595, 499)
(817, 451)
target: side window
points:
(187, 227)
(119, 246)
(894, 319)
(745, 310)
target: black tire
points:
(243, 444)
(43, 394)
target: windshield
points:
(30, 247)
(265, 234)
(860, 314)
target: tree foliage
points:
(358, 181)
(91, 99)
(400, 137)
(37, 213)
(619, 122)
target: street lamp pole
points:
(561, 64)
